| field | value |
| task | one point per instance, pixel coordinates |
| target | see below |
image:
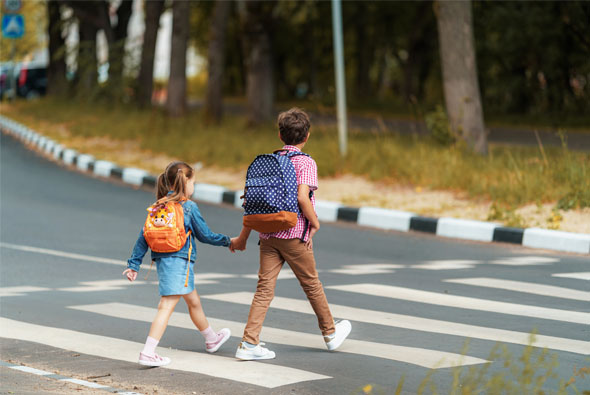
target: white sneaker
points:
(248, 354)
(336, 339)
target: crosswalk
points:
(370, 284)
(465, 302)
(269, 375)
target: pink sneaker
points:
(222, 336)
(153, 360)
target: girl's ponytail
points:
(173, 180)
(161, 187)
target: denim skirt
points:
(172, 276)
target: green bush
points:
(438, 125)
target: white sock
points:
(209, 335)
(150, 346)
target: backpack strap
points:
(190, 249)
(290, 154)
(306, 221)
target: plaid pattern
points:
(306, 171)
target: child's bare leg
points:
(165, 309)
(213, 340)
(195, 310)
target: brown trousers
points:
(273, 253)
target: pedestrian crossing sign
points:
(13, 26)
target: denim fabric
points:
(172, 276)
(193, 221)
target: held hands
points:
(237, 244)
(131, 274)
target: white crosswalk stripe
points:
(525, 287)
(577, 276)
(414, 355)
(415, 323)
(267, 375)
(465, 302)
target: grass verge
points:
(508, 176)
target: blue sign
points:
(13, 26)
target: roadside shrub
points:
(438, 125)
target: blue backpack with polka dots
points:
(270, 196)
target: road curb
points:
(327, 211)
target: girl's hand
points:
(131, 274)
(238, 244)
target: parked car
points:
(32, 82)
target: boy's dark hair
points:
(293, 126)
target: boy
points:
(293, 246)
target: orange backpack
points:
(164, 229)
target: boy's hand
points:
(238, 244)
(131, 274)
(312, 231)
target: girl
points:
(176, 280)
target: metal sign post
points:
(339, 68)
(13, 27)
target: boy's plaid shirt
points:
(306, 171)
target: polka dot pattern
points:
(271, 185)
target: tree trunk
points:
(56, 72)
(259, 79)
(176, 101)
(461, 88)
(117, 47)
(145, 80)
(216, 59)
(87, 71)
(364, 53)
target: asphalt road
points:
(414, 300)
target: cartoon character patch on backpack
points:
(164, 227)
(270, 195)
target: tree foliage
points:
(33, 39)
(533, 58)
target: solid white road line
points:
(27, 369)
(264, 375)
(62, 254)
(465, 302)
(577, 276)
(418, 356)
(85, 383)
(521, 286)
(415, 323)
(50, 375)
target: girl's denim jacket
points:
(193, 221)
